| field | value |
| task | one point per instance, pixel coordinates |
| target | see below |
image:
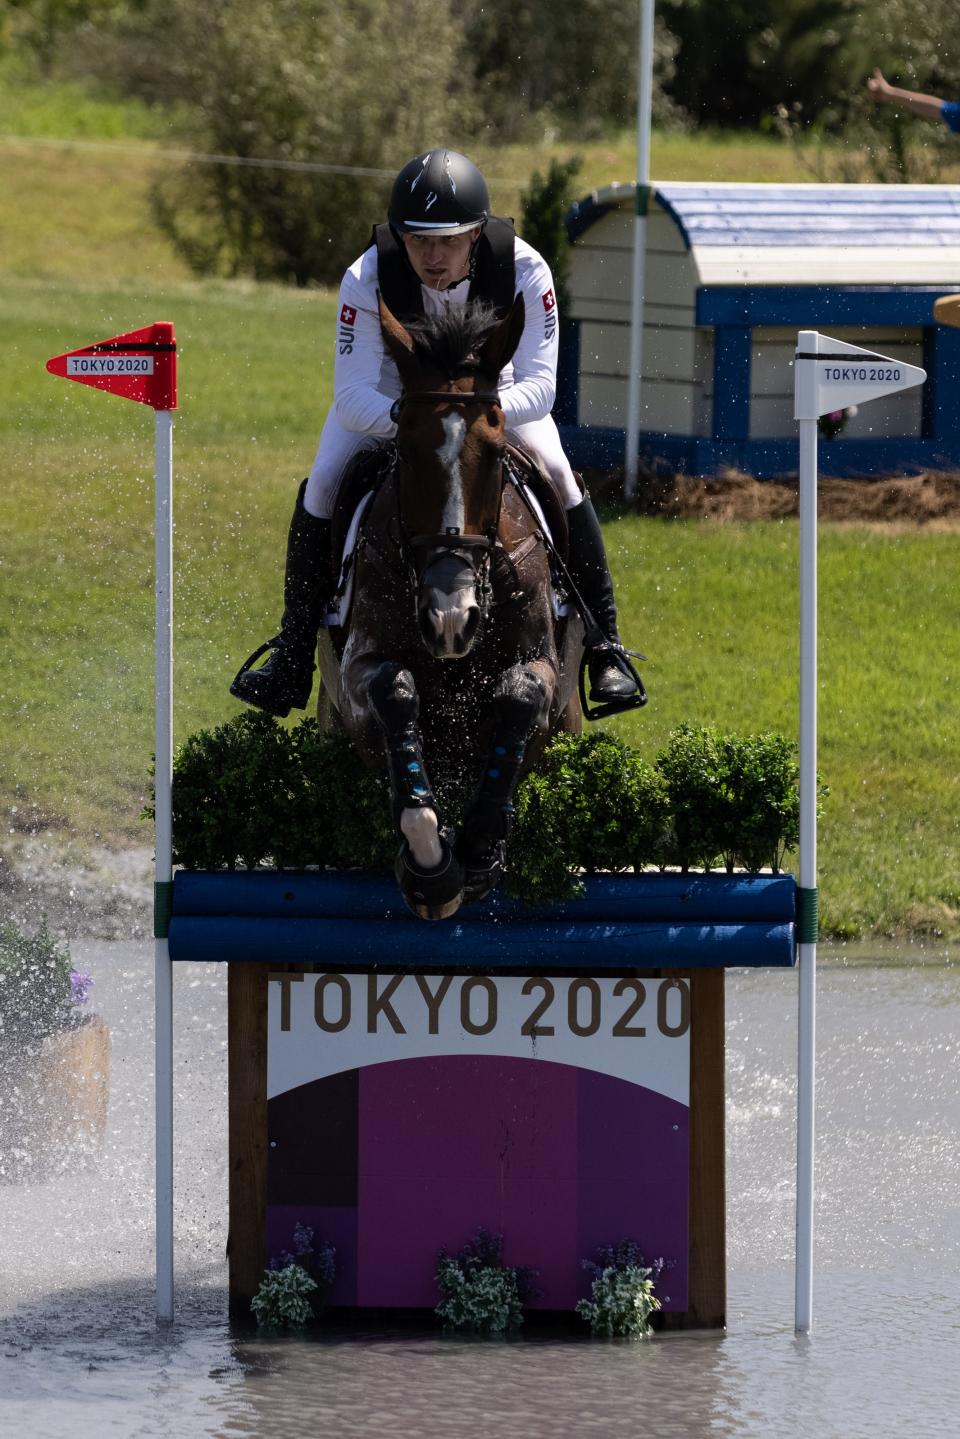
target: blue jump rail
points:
(357, 920)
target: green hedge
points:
(252, 792)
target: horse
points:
(453, 659)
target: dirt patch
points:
(931, 498)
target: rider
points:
(441, 246)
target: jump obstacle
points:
(554, 1073)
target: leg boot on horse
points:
(428, 872)
(521, 702)
(613, 681)
(285, 681)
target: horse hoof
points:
(433, 893)
(483, 876)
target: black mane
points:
(449, 341)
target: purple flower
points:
(80, 984)
(325, 1264)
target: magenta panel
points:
(408, 1157)
(451, 1143)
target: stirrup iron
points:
(615, 706)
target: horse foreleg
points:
(521, 701)
(429, 874)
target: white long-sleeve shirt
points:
(366, 381)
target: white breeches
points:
(338, 446)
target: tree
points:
(42, 26)
(736, 62)
(543, 223)
(561, 64)
(359, 88)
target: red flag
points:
(140, 365)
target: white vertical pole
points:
(635, 366)
(163, 972)
(807, 410)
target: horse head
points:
(450, 437)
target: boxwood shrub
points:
(254, 792)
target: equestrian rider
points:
(441, 246)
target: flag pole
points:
(163, 785)
(635, 363)
(807, 414)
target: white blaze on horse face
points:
(455, 432)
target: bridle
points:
(478, 549)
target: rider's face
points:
(440, 260)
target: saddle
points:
(365, 474)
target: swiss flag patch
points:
(348, 315)
(549, 302)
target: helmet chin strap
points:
(471, 263)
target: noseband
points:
(478, 548)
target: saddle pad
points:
(560, 607)
(339, 607)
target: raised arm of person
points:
(928, 107)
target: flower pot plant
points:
(54, 1059)
(481, 1294)
(294, 1286)
(622, 1300)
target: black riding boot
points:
(285, 681)
(611, 679)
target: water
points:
(81, 1355)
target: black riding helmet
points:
(438, 193)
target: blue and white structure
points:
(732, 272)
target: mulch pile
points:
(932, 497)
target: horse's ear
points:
(498, 348)
(398, 340)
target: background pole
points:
(635, 365)
(163, 973)
(807, 413)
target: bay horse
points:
(453, 660)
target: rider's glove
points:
(395, 409)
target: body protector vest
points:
(492, 279)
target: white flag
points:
(830, 375)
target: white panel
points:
(615, 231)
(606, 274)
(668, 406)
(615, 311)
(602, 401)
(828, 265)
(597, 272)
(669, 352)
